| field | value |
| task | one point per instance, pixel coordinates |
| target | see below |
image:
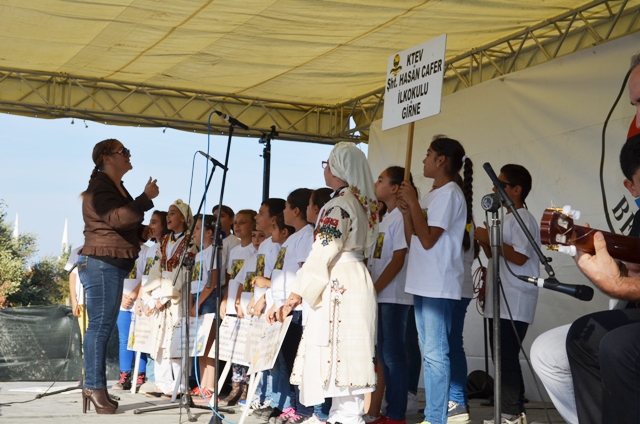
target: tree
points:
(21, 284)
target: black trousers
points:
(512, 394)
(604, 354)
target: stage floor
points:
(66, 408)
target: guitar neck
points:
(620, 247)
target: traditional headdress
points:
(348, 163)
(185, 210)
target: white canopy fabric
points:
(321, 52)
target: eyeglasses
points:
(324, 164)
(124, 152)
(504, 184)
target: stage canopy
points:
(313, 69)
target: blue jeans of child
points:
(281, 371)
(392, 329)
(433, 320)
(322, 411)
(102, 284)
(412, 350)
(128, 356)
(457, 357)
(265, 387)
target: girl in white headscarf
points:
(163, 299)
(336, 356)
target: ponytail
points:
(457, 160)
(467, 189)
(100, 150)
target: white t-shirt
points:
(241, 261)
(390, 238)
(134, 277)
(467, 284)
(228, 243)
(522, 296)
(438, 272)
(73, 258)
(202, 262)
(267, 256)
(147, 258)
(292, 255)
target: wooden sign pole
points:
(407, 162)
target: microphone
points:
(233, 121)
(578, 291)
(491, 202)
(215, 162)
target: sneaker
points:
(412, 404)
(457, 413)
(124, 382)
(296, 419)
(142, 378)
(283, 417)
(510, 419)
(256, 404)
(313, 420)
(370, 419)
(263, 413)
(270, 412)
(147, 387)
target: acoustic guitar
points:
(558, 232)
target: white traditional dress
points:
(336, 356)
(160, 285)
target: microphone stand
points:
(187, 263)
(266, 155)
(496, 244)
(217, 417)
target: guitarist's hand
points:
(601, 268)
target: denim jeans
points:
(322, 411)
(102, 284)
(280, 395)
(412, 350)
(392, 328)
(128, 356)
(265, 387)
(433, 320)
(281, 371)
(457, 357)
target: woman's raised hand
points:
(151, 189)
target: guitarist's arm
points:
(604, 272)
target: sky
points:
(45, 164)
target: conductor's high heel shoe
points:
(112, 399)
(99, 399)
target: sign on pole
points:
(413, 88)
